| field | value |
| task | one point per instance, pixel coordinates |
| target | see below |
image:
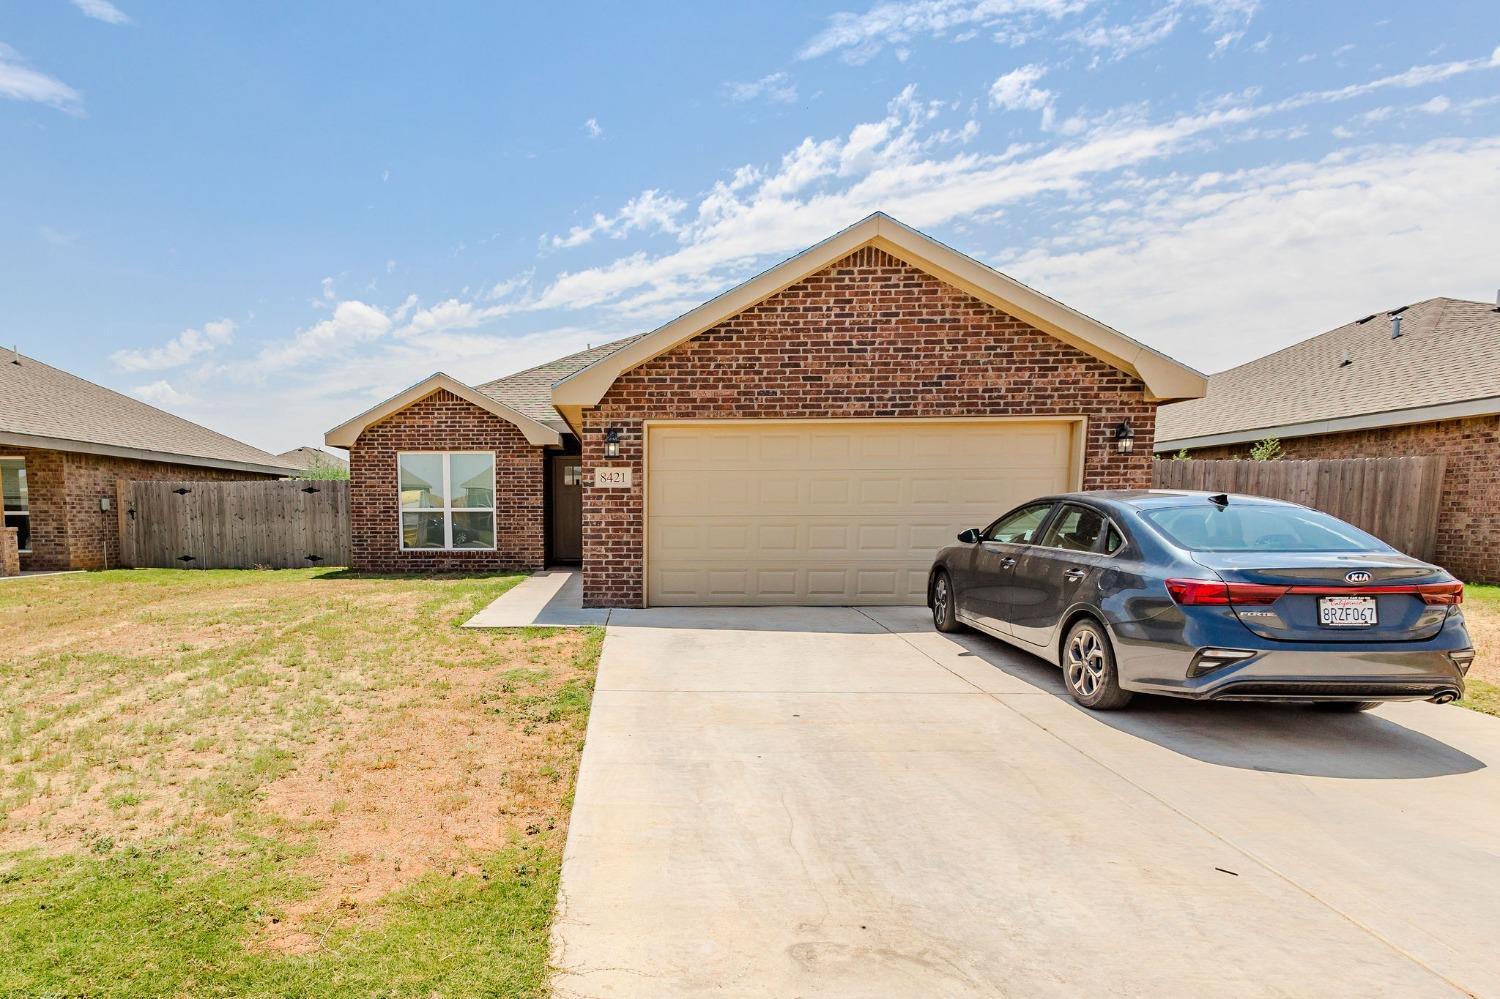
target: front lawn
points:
(288, 783)
(1482, 615)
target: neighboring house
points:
(1423, 379)
(306, 459)
(65, 442)
(812, 436)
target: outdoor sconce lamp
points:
(612, 442)
(1124, 438)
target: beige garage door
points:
(830, 513)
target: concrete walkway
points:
(842, 802)
(552, 599)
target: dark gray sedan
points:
(1207, 596)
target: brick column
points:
(10, 552)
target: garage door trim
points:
(1078, 426)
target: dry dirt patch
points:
(346, 715)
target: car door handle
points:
(1076, 574)
(1007, 563)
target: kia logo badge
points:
(1358, 576)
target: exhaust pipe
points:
(1446, 697)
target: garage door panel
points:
(781, 513)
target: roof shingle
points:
(38, 400)
(529, 392)
(1448, 351)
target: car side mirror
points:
(970, 537)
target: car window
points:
(1212, 528)
(1076, 529)
(1019, 527)
(1112, 541)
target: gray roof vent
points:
(1395, 325)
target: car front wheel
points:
(1088, 664)
(944, 616)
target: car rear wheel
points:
(944, 616)
(1347, 707)
(1088, 664)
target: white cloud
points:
(185, 346)
(1437, 105)
(1226, 20)
(777, 88)
(102, 10)
(892, 164)
(161, 393)
(1017, 90)
(56, 236)
(859, 37)
(1263, 258)
(649, 211)
(1121, 40)
(352, 323)
(21, 83)
(592, 128)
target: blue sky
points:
(268, 216)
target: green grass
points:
(1481, 695)
(149, 717)
(1482, 614)
(164, 922)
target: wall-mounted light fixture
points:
(612, 442)
(1124, 437)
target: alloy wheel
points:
(940, 601)
(1086, 663)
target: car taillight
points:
(1198, 592)
(1441, 593)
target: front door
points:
(567, 508)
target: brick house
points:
(65, 442)
(1423, 379)
(812, 436)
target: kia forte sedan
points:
(1207, 596)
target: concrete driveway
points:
(842, 802)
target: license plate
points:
(1346, 612)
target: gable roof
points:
(530, 392)
(1164, 378)
(1443, 365)
(46, 407)
(305, 458)
(345, 434)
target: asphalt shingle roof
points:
(529, 392)
(38, 400)
(304, 458)
(1448, 351)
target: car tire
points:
(1088, 663)
(944, 605)
(1347, 707)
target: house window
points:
(17, 503)
(447, 500)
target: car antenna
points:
(1220, 500)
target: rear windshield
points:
(1207, 528)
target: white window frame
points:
(19, 513)
(447, 510)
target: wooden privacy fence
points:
(277, 524)
(1395, 499)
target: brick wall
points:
(10, 557)
(68, 528)
(1468, 542)
(869, 336)
(444, 422)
